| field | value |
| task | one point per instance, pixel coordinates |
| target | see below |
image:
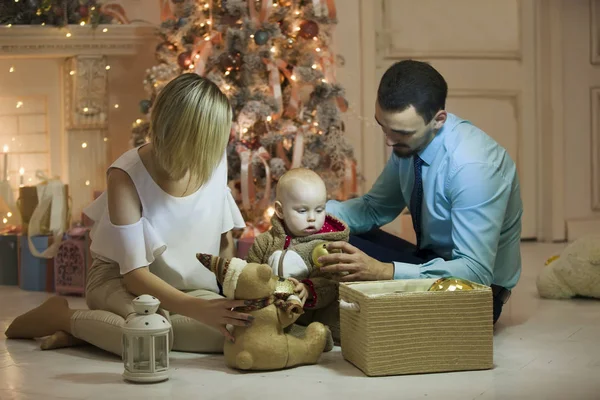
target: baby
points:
(299, 225)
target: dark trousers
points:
(387, 248)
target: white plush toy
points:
(576, 272)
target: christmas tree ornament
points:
(320, 251)
(451, 284)
(261, 37)
(84, 11)
(185, 59)
(145, 106)
(308, 29)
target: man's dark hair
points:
(413, 83)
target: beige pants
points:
(110, 304)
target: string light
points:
(87, 183)
(269, 118)
(293, 77)
(9, 25)
(4, 220)
(227, 87)
(207, 6)
(314, 66)
(9, 214)
(105, 29)
(227, 73)
(19, 104)
(107, 67)
(83, 145)
(11, 69)
(106, 139)
(318, 49)
(85, 109)
(116, 106)
(192, 66)
(68, 34)
(82, 23)
(273, 49)
(138, 121)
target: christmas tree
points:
(60, 12)
(273, 59)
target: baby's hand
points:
(300, 289)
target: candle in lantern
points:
(21, 172)
(5, 172)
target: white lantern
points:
(146, 342)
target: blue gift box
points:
(35, 274)
(9, 264)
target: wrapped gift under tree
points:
(72, 262)
(9, 266)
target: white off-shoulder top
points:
(172, 229)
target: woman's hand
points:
(301, 289)
(217, 313)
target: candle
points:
(5, 172)
(21, 172)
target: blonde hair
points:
(189, 127)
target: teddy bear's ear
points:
(205, 259)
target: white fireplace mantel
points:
(50, 41)
(76, 92)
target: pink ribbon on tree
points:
(265, 11)
(165, 10)
(116, 11)
(246, 177)
(298, 148)
(322, 7)
(203, 50)
(264, 156)
(274, 83)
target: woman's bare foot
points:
(59, 340)
(52, 316)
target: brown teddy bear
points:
(264, 345)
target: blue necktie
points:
(416, 199)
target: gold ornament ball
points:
(320, 251)
(451, 284)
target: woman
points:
(165, 202)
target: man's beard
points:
(404, 152)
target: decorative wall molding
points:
(595, 32)
(577, 228)
(384, 46)
(513, 97)
(86, 92)
(595, 145)
(45, 41)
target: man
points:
(461, 187)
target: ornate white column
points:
(86, 117)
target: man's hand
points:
(300, 289)
(360, 267)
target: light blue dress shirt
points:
(472, 207)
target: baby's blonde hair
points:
(304, 176)
(189, 127)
